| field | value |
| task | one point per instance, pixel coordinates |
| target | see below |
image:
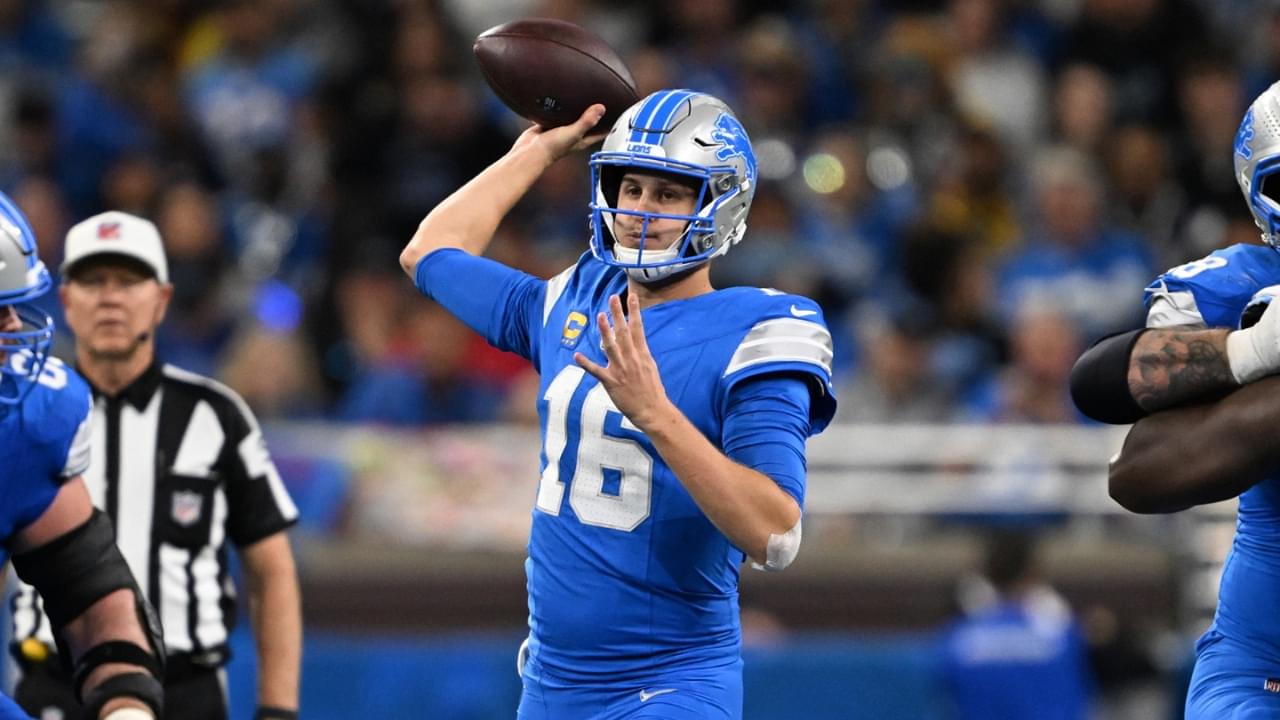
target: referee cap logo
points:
(116, 233)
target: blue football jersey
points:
(9, 710)
(1013, 660)
(626, 575)
(1216, 290)
(43, 441)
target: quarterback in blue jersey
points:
(674, 416)
(48, 525)
(1205, 369)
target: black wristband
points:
(267, 712)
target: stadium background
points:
(973, 190)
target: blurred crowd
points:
(972, 189)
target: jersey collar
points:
(137, 393)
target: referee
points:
(179, 464)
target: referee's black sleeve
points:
(1100, 380)
(258, 503)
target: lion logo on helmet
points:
(1245, 136)
(733, 138)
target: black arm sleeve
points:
(75, 570)
(1100, 380)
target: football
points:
(549, 71)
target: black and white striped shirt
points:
(179, 463)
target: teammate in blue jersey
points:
(674, 416)
(1205, 370)
(48, 525)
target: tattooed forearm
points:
(1174, 367)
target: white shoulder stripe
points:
(783, 340)
(555, 287)
(1170, 308)
(81, 448)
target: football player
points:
(58, 542)
(1212, 330)
(674, 415)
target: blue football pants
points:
(705, 695)
(1230, 682)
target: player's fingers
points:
(620, 329)
(635, 322)
(608, 338)
(585, 363)
(528, 136)
(590, 118)
(591, 139)
(594, 138)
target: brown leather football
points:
(549, 71)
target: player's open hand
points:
(631, 376)
(560, 141)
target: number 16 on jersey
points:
(596, 451)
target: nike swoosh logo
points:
(646, 696)
(802, 313)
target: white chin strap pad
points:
(645, 273)
(781, 550)
(631, 256)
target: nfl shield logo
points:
(187, 506)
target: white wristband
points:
(1254, 352)
(130, 713)
(1247, 362)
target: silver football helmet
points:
(683, 133)
(1257, 159)
(23, 278)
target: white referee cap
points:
(116, 233)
